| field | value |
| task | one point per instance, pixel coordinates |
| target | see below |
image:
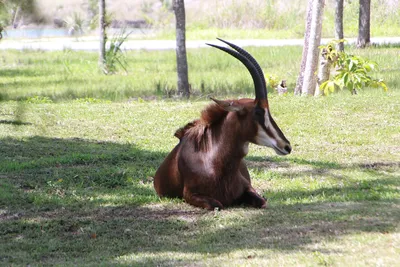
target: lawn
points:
(76, 167)
(68, 75)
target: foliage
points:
(12, 11)
(282, 19)
(160, 18)
(4, 15)
(272, 80)
(38, 100)
(352, 72)
(114, 54)
(75, 23)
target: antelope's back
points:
(167, 180)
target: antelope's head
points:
(266, 131)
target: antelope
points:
(206, 168)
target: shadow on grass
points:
(14, 122)
(54, 171)
(74, 201)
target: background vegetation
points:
(209, 18)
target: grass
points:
(76, 187)
(76, 167)
(232, 19)
(67, 75)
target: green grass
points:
(67, 75)
(76, 187)
(76, 167)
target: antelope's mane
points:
(200, 130)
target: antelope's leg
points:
(201, 201)
(252, 198)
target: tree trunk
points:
(364, 24)
(310, 80)
(1, 31)
(103, 36)
(300, 79)
(14, 17)
(181, 59)
(339, 35)
(323, 71)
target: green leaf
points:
(323, 85)
(384, 86)
(331, 87)
(380, 83)
(346, 78)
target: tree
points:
(300, 79)
(313, 41)
(339, 35)
(181, 58)
(364, 23)
(103, 35)
(17, 12)
(328, 57)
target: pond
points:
(35, 33)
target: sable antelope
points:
(206, 168)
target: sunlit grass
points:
(59, 76)
(76, 177)
(76, 166)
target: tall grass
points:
(69, 75)
(282, 19)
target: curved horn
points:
(258, 82)
(252, 60)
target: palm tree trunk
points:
(364, 24)
(339, 35)
(103, 36)
(310, 79)
(181, 58)
(300, 79)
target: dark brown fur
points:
(206, 168)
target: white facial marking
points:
(263, 138)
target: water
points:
(62, 32)
(35, 33)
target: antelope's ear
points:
(228, 105)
